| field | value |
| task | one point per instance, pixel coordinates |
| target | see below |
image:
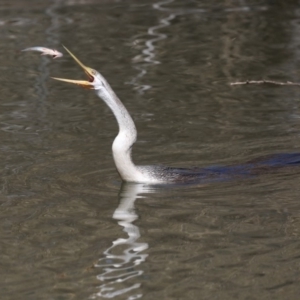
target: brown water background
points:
(69, 229)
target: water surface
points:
(69, 229)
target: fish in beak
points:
(88, 71)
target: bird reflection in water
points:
(120, 266)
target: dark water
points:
(69, 229)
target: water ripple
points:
(148, 55)
(143, 61)
(121, 260)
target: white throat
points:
(122, 144)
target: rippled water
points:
(69, 229)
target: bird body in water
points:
(156, 174)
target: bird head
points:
(95, 79)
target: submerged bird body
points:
(195, 175)
(156, 174)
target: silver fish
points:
(45, 51)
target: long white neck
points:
(122, 144)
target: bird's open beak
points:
(88, 71)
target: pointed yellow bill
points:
(88, 71)
(82, 83)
